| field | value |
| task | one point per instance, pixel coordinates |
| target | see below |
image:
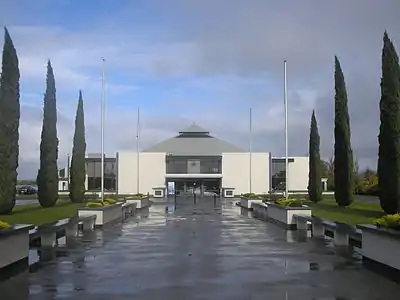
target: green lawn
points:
(356, 213)
(35, 196)
(35, 214)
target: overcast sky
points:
(203, 61)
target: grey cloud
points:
(250, 39)
(244, 37)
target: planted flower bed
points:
(107, 211)
(381, 244)
(249, 198)
(282, 211)
(140, 200)
(14, 247)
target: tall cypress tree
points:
(389, 131)
(47, 178)
(9, 125)
(343, 163)
(78, 168)
(314, 173)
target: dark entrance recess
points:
(198, 185)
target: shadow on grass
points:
(349, 210)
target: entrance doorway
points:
(200, 186)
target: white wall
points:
(298, 174)
(260, 175)
(151, 172)
(63, 185)
(236, 172)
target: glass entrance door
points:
(193, 186)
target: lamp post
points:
(286, 133)
(250, 149)
(137, 152)
(103, 95)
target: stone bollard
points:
(318, 229)
(71, 230)
(48, 239)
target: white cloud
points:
(231, 50)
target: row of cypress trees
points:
(47, 177)
(389, 139)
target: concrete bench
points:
(88, 222)
(49, 233)
(342, 232)
(317, 224)
(317, 227)
(128, 209)
(302, 221)
(259, 210)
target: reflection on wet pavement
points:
(199, 252)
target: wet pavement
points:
(199, 252)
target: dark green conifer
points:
(389, 131)
(47, 178)
(9, 125)
(343, 158)
(78, 168)
(315, 165)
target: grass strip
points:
(35, 214)
(356, 213)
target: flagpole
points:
(102, 127)
(250, 148)
(137, 152)
(286, 134)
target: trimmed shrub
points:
(250, 195)
(95, 204)
(389, 221)
(289, 202)
(4, 225)
(110, 201)
(138, 196)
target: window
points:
(97, 168)
(193, 165)
(229, 193)
(278, 173)
(109, 169)
(90, 168)
(93, 167)
(158, 193)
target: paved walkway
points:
(200, 253)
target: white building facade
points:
(194, 160)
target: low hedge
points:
(388, 221)
(138, 196)
(4, 225)
(250, 195)
(289, 202)
(110, 201)
(106, 202)
(95, 204)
